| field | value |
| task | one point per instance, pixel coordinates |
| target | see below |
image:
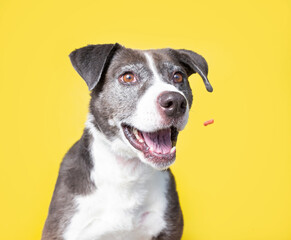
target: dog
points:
(115, 182)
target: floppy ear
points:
(91, 61)
(195, 63)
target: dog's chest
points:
(125, 209)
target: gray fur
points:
(74, 179)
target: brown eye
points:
(128, 77)
(177, 77)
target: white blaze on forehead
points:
(153, 67)
(147, 117)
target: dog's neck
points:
(113, 161)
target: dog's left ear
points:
(195, 63)
(91, 61)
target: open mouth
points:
(158, 147)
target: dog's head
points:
(140, 99)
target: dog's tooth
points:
(173, 150)
(135, 132)
(137, 136)
(151, 149)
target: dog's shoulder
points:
(73, 180)
(76, 167)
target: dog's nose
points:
(172, 103)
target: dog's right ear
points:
(194, 63)
(91, 61)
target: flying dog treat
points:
(209, 122)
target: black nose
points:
(172, 103)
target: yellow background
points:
(233, 177)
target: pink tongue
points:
(159, 141)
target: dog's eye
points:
(127, 77)
(177, 77)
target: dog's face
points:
(140, 99)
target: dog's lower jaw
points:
(126, 153)
(157, 165)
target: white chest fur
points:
(129, 202)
